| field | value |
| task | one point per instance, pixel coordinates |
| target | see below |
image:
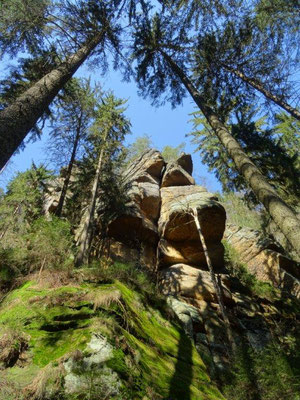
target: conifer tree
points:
(106, 134)
(74, 116)
(151, 49)
(270, 149)
(17, 119)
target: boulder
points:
(188, 282)
(175, 175)
(147, 168)
(176, 222)
(119, 251)
(145, 255)
(146, 196)
(185, 161)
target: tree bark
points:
(282, 214)
(69, 171)
(215, 283)
(86, 234)
(19, 118)
(258, 86)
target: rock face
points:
(175, 175)
(138, 223)
(192, 283)
(263, 258)
(158, 219)
(179, 237)
(134, 234)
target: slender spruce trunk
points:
(258, 86)
(215, 282)
(282, 214)
(19, 118)
(69, 171)
(86, 234)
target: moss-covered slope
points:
(95, 341)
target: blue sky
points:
(165, 126)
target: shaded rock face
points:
(54, 188)
(263, 258)
(179, 237)
(175, 175)
(188, 282)
(138, 224)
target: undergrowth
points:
(262, 375)
(152, 358)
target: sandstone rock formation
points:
(192, 283)
(263, 258)
(175, 175)
(138, 223)
(157, 219)
(179, 237)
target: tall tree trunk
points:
(282, 214)
(258, 86)
(215, 283)
(19, 118)
(86, 234)
(69, 171)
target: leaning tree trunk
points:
(215, 283)
(86, 234)
(282, 214)
(19, 118)
(258, 86)
(69, 172)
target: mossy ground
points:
(153, 357)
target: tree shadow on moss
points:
(183, 375)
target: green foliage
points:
(238, 212)
(22, 204)
(22, 25)
(46, 245)
(50, 244)
(151, 356)
(70, 124)
(29, 241)
(171, 153)
(264, 374)
(26, 192)
(25, 74)
(269, 149)
(133, 276)
(239, 270)
(138, 147)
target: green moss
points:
(155, 355)
(168, 359)
(30, 310)
(118, 364)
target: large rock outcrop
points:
(179, 238)
(138, 222)
(158, 214)
(263, 258)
